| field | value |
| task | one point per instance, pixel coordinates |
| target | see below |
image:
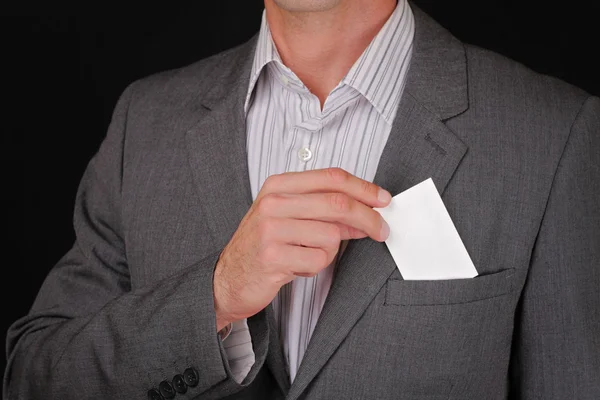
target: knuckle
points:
(354, 233)
(372, 222)
(321, 260)
(337, 175)
(334, 236)
(272, 182)
(318, 260)
(267, 203)
(339, 202)
(369, 188)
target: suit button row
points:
(179, 384)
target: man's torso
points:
(490, 132)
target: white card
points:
(423, 240)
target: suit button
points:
(179, 384)
(166, 390)
(190, 376)
(153, 394)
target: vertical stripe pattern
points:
(285, 123)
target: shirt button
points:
(304, 154)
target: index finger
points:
(327, 180)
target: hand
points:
(293, 228)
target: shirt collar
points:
(378, 74)
(265, 53)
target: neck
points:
(320, 47)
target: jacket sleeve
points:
(89, 335)
(556, 348)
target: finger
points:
(328, 207)
(309, 233)
(297, 260)
(348, 232)
(327, 180)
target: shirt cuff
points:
(224, 333)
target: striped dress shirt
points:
(287, 131)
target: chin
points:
(307, 5)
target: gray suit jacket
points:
(516, 157)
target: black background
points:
(61, 77)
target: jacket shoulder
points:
(496, 81)
(178, 86)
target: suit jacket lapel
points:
(216, 144)
(420, 146)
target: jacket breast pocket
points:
(446, 292)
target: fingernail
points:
(384, 196)
(385, 230)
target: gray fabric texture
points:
(515, 156)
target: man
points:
(227, 244)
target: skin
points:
(293, 228)
(321, 39)
(298, 220)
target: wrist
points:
(222, 317)
(222, 323)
